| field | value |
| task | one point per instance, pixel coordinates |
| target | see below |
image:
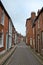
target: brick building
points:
(5, 30)
(38, 22)
(18, 37)
(30, 30)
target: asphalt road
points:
(23, 56)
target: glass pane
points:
(1, 39)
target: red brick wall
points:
(0, 13)
(5, 29)
(29, 31)
(39, 33)
(0, 20)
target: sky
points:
(20, 10)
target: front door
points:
(31, 41)
(38, 43)
(7, 42)
(42, 40)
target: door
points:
(31, 41)
(7, 42)
(38, 43)
(42, 40)
(10, 41)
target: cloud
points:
(19, 10)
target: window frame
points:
(1, 45)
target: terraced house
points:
(30, 30)
(5, 30)
(34, 31)
(17, 37)
(38, 24)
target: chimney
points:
(38, 11)
(33, 15)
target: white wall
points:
(10, 34)
(15, 38)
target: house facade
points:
(5, 30)
(30, 30)
(4, 21)
(39, 31)
(27, 32)
(34, 31)
(10, 33)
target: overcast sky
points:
(20, 10)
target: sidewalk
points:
(6, 56)
(37, 55)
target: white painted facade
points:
(15, 38)
(10, 34)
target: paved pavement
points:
(6, 55)
(22, 56)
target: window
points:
(2, 19)
(2, 16)
(10, 28)
(33, 30)
(1, 39)
(42, 18)
(38, 23)
(42, 39)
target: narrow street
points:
(22, 56)
(21, 32)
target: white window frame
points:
(10, 28)
(1, 45)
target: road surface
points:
(23, 56)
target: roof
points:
(27, 20)
(2, 6)
(39, 13)
(37, 16)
